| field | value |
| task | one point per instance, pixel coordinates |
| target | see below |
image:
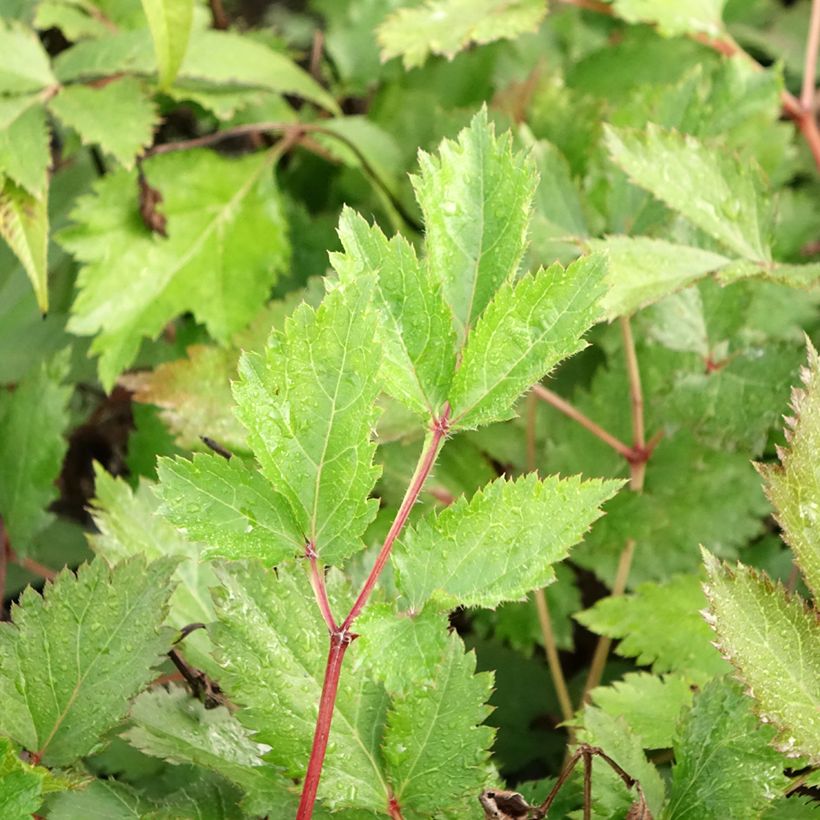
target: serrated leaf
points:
(650, 704)
(129, 525)
(194, 393)
(675, 18)
(224, 58)
(415, 329)
(210, 263)
(724, 765)
(476, 196)
(714, 190)
(71, 661)
(25, 152)
(272, 644)
(773, 641)
(125, 52)
(21, 785)
(119, 116)
(642, 270)
(641, 621)
(25, 62)
(448, 26)
(172, 725)
(74, 21)
(435, 746)
(499, 545)
(24, 226)
(609, 794)
(309, 408)
(170, 24)
(229, 506)
(793, 486)
(525, 330)
(401, 650)
(102, 800)
(33, 421)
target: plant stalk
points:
(587, 423)
(341, 637)
(810, 67)
(553, 659)
(596, 668)
(637, 467)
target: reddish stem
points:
(317, 581)
(439, 431)
(341, 637)
(339, 641)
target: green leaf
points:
(609, 794)
(75, 22)
(272, 643)
(435, 748)
(713, 189)
(724, 765)
(24, 226)
(229, 506)
(170, 24)
(415, 329)
(25, 152)
(500, 544)
(101, 800)
(126, 52)
(674, 19)
(178, 728)
(223, 58)
(642, 270)
(793, 486)
(194, 393)
(448, 26)
(210, 263)
(650, 705)
(129, 525)
(773, 641)
(309, 408)
(119, 116)
(33, 421)
(70, 662)
(526, 329)
(641, 621)
(476, 197)
(401, 650)
(21, 785)
(25, 65)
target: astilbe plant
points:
(455, 337)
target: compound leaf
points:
(448, 26)
(416, 328)
(499, 545)
(724, 765)
(230, 506)
(527, 328)
(714, 190)
(272, 644)
(129, 525)
(210, 263)
(435, 748)
(71, 661)
(773, 641)
(33, 420)
(641, 622)
(650, 704)
(178, 728)
(309, 408)
(118, 115)
(476, 197)
(793, 486)
(642, 270)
